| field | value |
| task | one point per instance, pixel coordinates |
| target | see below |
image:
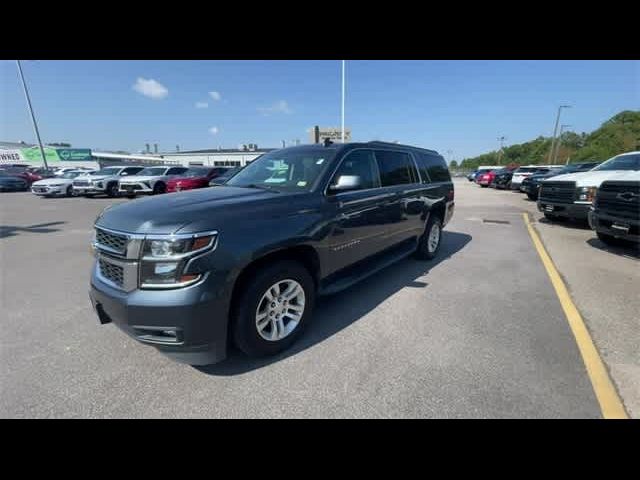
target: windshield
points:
(106, 171)
(621, 162)
(70, 174)
(287, 170)
(527, 170)
(152, 171)
(195, 172)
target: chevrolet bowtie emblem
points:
(627, 196)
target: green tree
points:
(453, 164)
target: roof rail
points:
(379, 142)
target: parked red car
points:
(195, 177)
(28, 174)
(486, 178)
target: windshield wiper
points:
(261, 187)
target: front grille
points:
(620, 199)
(112, 241)
(81, 183)
(560, 192)
(125, 186)
(111, 272)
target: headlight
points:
(587, 194)
(164, 259)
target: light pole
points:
(343, 67)
(559, 143)
(33, 117)
(501, 140)
(555, 130)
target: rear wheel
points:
(272, 309)
(70, 192)
(429, 242)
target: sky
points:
(457, 107)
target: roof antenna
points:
(327, 142)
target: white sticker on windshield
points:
(319, 162)
(302, 183)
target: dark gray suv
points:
(244, 262)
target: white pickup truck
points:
(571, 195)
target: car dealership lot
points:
(479, 332)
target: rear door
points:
(440, 189)
(400, 180)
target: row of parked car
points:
(17, 177)
(130, 181)
(606, 195)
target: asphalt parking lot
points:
(477, 333)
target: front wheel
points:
(532, 196)
(429, 242)
(112, 190)
(272, 309)
(159, 188)
(70, 192)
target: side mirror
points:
(346, 182)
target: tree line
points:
(619, 134)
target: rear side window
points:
(132, 170)
(436, 167)
(423, 167)
(396, 168)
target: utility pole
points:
(555, 131)
(501, 140)
(558, 144)
(33, 117)
(343, 66)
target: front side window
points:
(151, 171)
(621, 162)
(291, 170)
(133, 170)
(396, 168)
(361, 164)
(176, 170)
(106, 171)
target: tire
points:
(252, 302)
(611, 240)
(70, 192)
(159, 188)
(88, 195)
(532, 196)
(550, 216)
(426, 249)
(112, 190)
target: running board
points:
(367, 268)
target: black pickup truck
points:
(615, 215)
(244, 262)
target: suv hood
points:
(91, 178)
(139, 178)
(594, 179)
(196, 210)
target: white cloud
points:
(213, 130)
(215, 95)
(202, 105)
(279, 107)
(150, 88)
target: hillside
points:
(621, 133)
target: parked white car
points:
(150, 180)
(103, 181)
(526, 171)
(61, 171)
(571, 195)
(61, 185)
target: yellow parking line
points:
(610, 403)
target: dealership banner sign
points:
(11, 156)
(34, 155)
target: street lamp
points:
(343, 67)
(555, 130)
(33, 117)
(559, 144)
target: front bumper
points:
(576, 211)
(88, 189)
(198, 316)
(604, 223)
(49, 190)
(134, 188)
